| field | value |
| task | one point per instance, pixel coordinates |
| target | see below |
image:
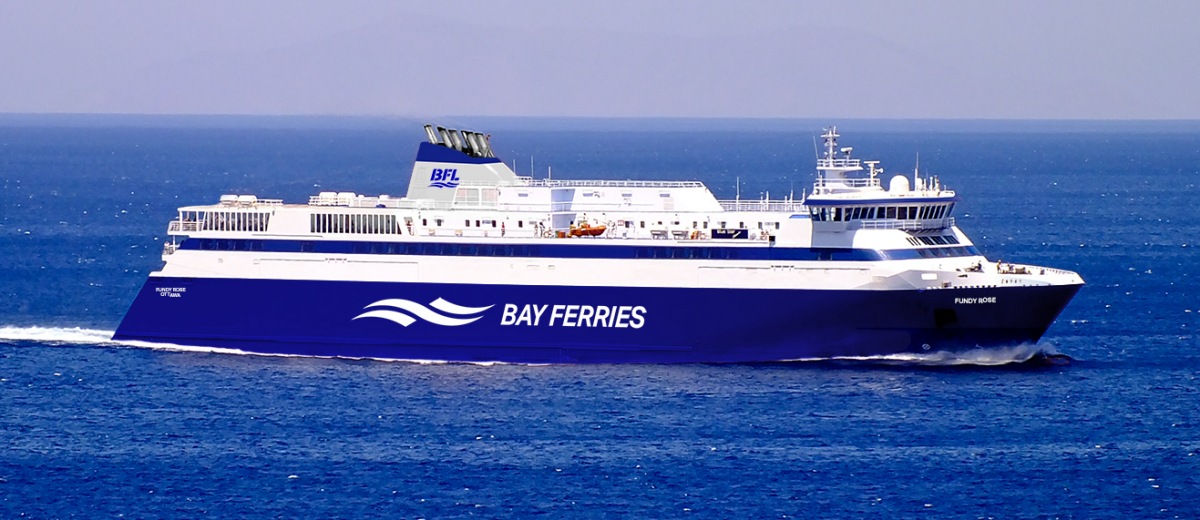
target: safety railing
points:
(183, 226)
(762, 205)
(822, 182)
(940, 223)
(613, 184)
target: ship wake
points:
(1028, 354)
(57, 335)
(78, 336)
(1019, 355)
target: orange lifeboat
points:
(587, 230)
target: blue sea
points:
(91, 428)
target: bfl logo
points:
(444, 178)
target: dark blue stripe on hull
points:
(639, 325)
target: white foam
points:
(82, 336)
(56, 335)
(992, 356)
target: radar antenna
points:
(874, 171)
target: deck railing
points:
(940, 223)
(183, 226)
(613, 184)
(773, 206)
(823, 182)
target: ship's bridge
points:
(845, 196)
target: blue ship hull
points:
(483, 323)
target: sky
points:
(915, 59)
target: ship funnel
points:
(462, 158)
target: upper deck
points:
(458, 189)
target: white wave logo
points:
(454, 315)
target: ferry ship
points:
(479, 264)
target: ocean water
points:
(97, 429)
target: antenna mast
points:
(917, 173)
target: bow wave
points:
(394, 306)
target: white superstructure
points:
(899, 236)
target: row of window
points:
(933, 240)
(570, 251)
(703, 225)
(375, 224)
(943, 252)
(840, 214)
(233, 221)
(620, 223)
